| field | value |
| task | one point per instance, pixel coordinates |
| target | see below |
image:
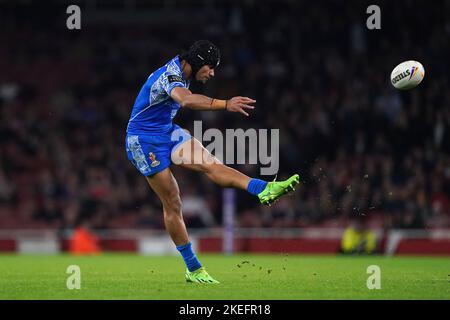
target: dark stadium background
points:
(365, 151)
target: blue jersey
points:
(154, 108)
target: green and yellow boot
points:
(199, 276)
(276, 189)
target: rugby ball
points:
(407, 75)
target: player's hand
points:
(238, 104)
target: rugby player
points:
(154, 143)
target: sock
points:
(190, 259)
(255, 186)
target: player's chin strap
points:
(197, 65)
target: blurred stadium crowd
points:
(363, 149)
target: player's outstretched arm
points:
(200, 102)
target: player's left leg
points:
(151, 156)
(192, 155)
(165, 186)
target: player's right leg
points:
(192, 155)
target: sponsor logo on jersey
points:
(173, 78)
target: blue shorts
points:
(151, 154)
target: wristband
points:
(217, 104)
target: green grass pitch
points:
(129, 276)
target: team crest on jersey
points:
(153, 160)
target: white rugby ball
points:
(407, 75)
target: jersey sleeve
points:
(171, 80)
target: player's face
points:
(204, 74)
